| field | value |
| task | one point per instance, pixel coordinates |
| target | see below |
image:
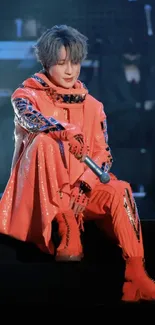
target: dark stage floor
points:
(28, 276)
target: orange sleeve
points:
(32, 120)
(101, 152)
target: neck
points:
(46, 73)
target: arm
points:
(30, 118)
(101, 153)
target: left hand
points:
(78, 147)
(78, 201)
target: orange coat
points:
(30, 200)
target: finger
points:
(78, 156)
(71, 204)
(83, 158)
(79, 209)
(82, 209)
(79, 214)
(75, 208)
(74, 151)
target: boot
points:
(70, 248)
(138, 285)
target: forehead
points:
(63, 54)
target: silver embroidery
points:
(132, 213)
(31, 119)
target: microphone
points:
(103, 176)
(99, 172)
(147, 9)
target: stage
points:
(29, 277)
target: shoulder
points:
(93, 100)
(23, 93)
(95, 104)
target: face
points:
(64, 73)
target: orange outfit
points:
(26, 208)
(43, 172)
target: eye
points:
(61, 62)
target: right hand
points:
(78, 147)
(75, 138)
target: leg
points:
(57, 190)
(115, 200)
(34, 198)
(70, 248)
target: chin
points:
(67, 85)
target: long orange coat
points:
(40, 171)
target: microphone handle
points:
(103, 176)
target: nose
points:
(68, 69)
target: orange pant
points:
(113, 207)
(31, 200)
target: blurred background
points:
(119, 71)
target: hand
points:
(67, 134)
(78, 147)
(75, 138)
(79, 200)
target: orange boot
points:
(70, 248)
(138, 285)
(117, 199)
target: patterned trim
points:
(41, 81)
(105, 132)
(32, 120)
(132, 213)
(62, 152)
(68, 230)
(61, 98)
(106, 166)
(68, 99)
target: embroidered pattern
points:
(62, 152)
(105, 132)
(132, 212)
(31, 119)
(41, 81)
(68, 230)
(106, 166)
(61, 98)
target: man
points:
(56, 124)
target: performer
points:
(57, 122)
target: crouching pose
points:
(57, 123)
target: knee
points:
(47, 145)
(120, 187)
(125, 190)
(125, 186)
(43, 139)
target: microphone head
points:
(104, 178)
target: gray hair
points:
(48, 45)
